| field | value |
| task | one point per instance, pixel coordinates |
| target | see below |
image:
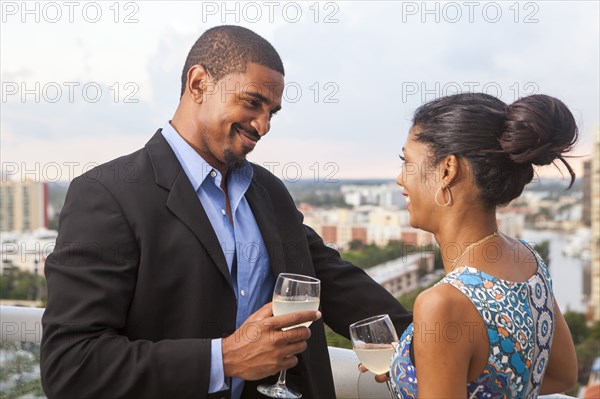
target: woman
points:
(491, 328)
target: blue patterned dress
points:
(519, 317)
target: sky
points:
(85, 82)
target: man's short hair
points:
(228, 49)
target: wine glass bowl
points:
(374, 340)
(295, 293)
(292, 293)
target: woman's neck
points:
(457, 230)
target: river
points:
(566, 272)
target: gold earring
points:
(442, 187)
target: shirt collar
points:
(196, 168)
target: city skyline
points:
(80, 93)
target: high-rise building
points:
(586, 215)
(382, 195)
(595, 222)
(23, 205)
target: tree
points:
(422, 268)
(543, 248)
(587, 352)
(336, 340)
(587, 343)
(19, 374)
(19, 284)
(371, 255)
(577, 326)
(356, 245)
(438, 263)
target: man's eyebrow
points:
(262, 99)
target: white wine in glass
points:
(374, 340)
(292, 293)
(284, 305)
(376, 357)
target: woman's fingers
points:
(378, 377)
(382, 377)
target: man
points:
(160, 283)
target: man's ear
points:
(197, 83)
(449, 170)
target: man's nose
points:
(262, 124)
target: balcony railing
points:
(23, 324)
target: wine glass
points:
(374, 340)
(292, 293)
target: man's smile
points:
(248, 138)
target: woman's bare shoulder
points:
(444, 303)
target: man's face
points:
(235, 113)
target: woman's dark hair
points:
(228, 49)
(502, 142)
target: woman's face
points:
(420, 180)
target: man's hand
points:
(259, 348)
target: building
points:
(401, 275)
(368, 224)
(586, 216)
(23, 205)
(385, 225)
(26, 251)
(511, 222)
(338, 226)
(595, 223)
(382, 195)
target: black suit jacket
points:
(138, 284)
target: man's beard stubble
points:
(232, 161)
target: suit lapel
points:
(260, 202)
(183, 201)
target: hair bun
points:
(538, 130)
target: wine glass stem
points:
(389, 387)
(281, 380)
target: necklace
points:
(484, 239)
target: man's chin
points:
(234, 161)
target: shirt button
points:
(243, 293)
(213, 174)
(224, 212)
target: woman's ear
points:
(449, 170)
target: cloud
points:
(352, 84)
(62, 158)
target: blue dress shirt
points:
(241, 242)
